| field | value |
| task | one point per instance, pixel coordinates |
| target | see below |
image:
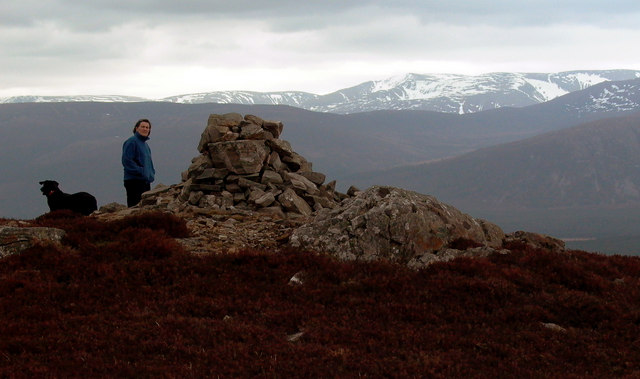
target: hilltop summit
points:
(250, 189)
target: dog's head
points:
(49, 187)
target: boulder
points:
(316, 177)
(270, 176)
(424, 260)
(302, 183)
(253, 131)
(240, 156)
(392, 224)
(14, 240)
(219, 127)
(292, 202)
(112, 207)
(273, 127)
(535, 240)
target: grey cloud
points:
(300, 15)
(44, 39)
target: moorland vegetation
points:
(125, 299)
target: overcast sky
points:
(159, 48)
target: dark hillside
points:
(581, 183)
(123, 299)
(595, 164)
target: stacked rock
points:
(244, 164)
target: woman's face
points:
(144, 129)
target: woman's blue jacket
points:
(136, 159)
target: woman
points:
(138, 166)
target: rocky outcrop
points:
(396, 225)
(243, 164)
(249, 189)
(13, 240)
(535, 240)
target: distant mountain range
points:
(449, 93)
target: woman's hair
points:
(139, 122)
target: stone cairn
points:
(244, 165)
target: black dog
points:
(80, 202)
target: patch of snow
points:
(586, 80)
(276, 98)
(461, 109)
(192, 98)
(547, 90)
(424, 87)
(389, 83)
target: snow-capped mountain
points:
(64, 99)
(607, 97)
(292, 98)
(449, 93)
(462, 94)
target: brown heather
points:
(123, 299)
